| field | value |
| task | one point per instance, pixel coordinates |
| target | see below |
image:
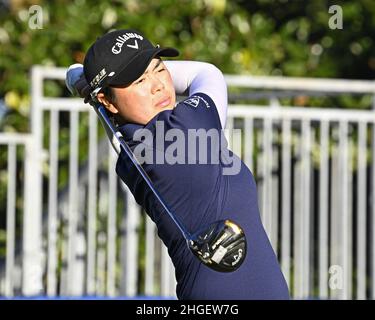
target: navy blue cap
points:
(120, 57)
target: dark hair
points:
(109, 94)
(111, 97)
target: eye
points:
(140, 81)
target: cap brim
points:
(138, 66)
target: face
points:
(144, 98)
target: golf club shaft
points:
(120, 139)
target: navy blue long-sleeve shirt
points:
(200, 194)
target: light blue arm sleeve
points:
(195, 76)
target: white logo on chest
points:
(194, 102)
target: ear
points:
(102, 99)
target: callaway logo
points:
(120, 40)
(194, 101)
(237, 257)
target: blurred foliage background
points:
(259, 37)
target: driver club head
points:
(221, 246)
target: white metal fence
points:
(10, 143)
(83, 234)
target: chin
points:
(165, 108)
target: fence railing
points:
(83, 234)
(17, 185)
(315, 174)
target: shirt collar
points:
(129, 129)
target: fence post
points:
(32, 223)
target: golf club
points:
(220, 246)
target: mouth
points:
(163, 103)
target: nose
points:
(157, 84)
